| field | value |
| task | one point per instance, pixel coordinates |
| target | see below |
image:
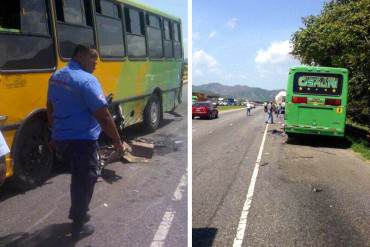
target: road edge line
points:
(238, 240)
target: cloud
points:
(212, 34)
(203, 59)
(277, 52)
(205, 67)
(274, 62)
(232, 23)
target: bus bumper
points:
(311, 130)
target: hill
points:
(237, 91)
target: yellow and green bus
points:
(316, 101)
(140, 63)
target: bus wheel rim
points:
(154, 112)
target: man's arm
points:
(106, 122)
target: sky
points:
(246, 42)
(177, 8)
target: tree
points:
(340, 37)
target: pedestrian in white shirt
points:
(249, 106)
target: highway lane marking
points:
(165, 225)
(177, 195)
(238, 240)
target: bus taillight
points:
(334, 102)
(299, 100)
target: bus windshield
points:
(318, 84)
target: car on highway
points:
(204, 109)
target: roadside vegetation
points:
(227, 107)
(360, 140)
(360, 145)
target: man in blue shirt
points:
(77, 111)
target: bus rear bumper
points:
(311, 130)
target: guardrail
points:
(358, 132)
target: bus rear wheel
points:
(152, 113)
(33, 158)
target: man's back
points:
(75, 95)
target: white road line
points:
(177, 195)
(161, 234)
(165, 225)
(238, 240)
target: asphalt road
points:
(307, 192)
(134, 205)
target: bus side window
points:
(167, 37)
(176, 40)
(24, 16)
(109, 29)
(154, 32)
(74, 25)
(135, 33)
(25, 38)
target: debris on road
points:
(264, 163)
(315, 188)
(142, 151)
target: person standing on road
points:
(77, 111)
(249, 106)
(270, 110)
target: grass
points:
(360, 146)
(232, 107)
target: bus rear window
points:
(318, 83)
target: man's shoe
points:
(79, 230)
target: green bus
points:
(316, 101)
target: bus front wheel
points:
(33, 158)
(152, 113)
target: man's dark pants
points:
(81, 155)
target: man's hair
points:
(81, 49)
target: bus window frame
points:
(93, 28)
(144, 58)
(297, 74)
(147, 13)
(171, 39)
(50, 28)
(173, 22)
(123, 25)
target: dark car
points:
(204, 110)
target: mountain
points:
(237, 91)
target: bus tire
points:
(152, 113)
(291, 136)
(32, 157)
